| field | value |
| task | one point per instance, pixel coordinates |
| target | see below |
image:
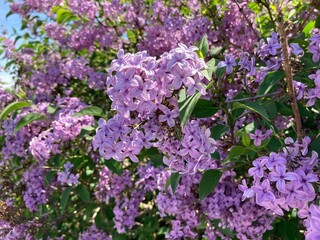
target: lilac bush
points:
(161, 120)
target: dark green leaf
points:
(270, 81)
(12, 107)
(65, 198)
(274, 145)
(218, 130)
(204, 108)
(235, 153)
(83, 193)
(209, 181)
(93, 111)
(29, 118)
(317, 23)
(186, 107)
(253, 106)
(9, 14)
(114, 166)
(174, 181)
(49, 177)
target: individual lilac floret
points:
(312, 95)
(246, 64)
(300, 89)
(316, 78)
(313, 223)
(66, 177)
(263, 192)
(315, 50)
(247, 192)
(280, 175)
(258, 170)
(229, 63)
(258, 136)
(272, 45)
(297, 50)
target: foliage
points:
(118, 127)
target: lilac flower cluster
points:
(83, 8)
(144, 94)
(238, 27)
(65, 127)
(5, 98)
(193, 152)
(16, 144)
(223, 204)
(35, 193)
(127, 194)
(310, 94)
(8, 231)
(65, 177)
(314, 47)
(93, 233)
(283, 180)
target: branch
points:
(288, 71)
(255, 97)
(247, 19)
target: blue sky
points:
(8, 24)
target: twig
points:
(253, 98)
(288, 71)
(267, 6)
(301, 25)
(247, 19)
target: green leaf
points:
(64, 15)
(203, 46)
(93, 111)
(9, 14)
(132, 36)
(49, 177)
(26, 119)
(209, 181)
(174, 181)
(270, 81)
(288, 229)
(12, 107)
(204, 108)
(253, 106)
(246, 141)
(114, 166)
(307, 29)
(218, 130)
(235, 153)
(212, 67)
(64, 198)
(274, 145)
(186, 107)
(215, 51)
(83, 193)
(317, 23)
